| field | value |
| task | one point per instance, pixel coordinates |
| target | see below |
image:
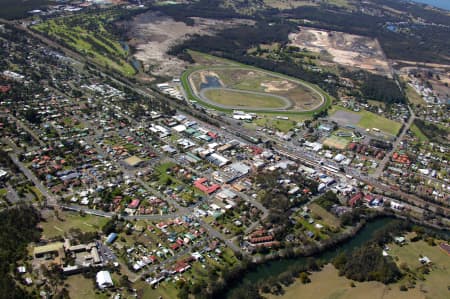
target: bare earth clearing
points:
(346, 49)
(153, 34)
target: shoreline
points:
(312, 251)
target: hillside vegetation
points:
(18, 229)
(92, 34)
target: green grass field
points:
(88, 35)
(164, 290)
(413, 96)
(418, 133)
(84, 288)
(236, 98)
(270, 121)
(371, 120)
(337, 142)
(327, 284)
(437, 281)
(328, 218)
(54, 227)
(301, 95)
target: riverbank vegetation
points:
(418, 279)
(367, 264)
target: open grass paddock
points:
(327, 284)
(245, 100)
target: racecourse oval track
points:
(288, 102)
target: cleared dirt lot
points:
(346, 117)
(152, 34)
(345, 49)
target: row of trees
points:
(432, 131)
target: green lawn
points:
(84, 288)
(327, 284)
(278, 124)
(37, 193)
(437, 281)
(337, 142)
(164, 290)
(371, 120)
(418, 133)
(413, 96)
(54, 227)
(328, 218)
(234, 98)
(319, 234)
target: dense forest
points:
(18, 230)
(203, 8)
(12, 9)
(381, 89)
(366, 264)
(416, 10)
(419, 43)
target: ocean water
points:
(444, 4)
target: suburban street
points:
(379, 171)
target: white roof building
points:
(339, 158)
(104, 280)
(180, 128)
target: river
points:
(276, 267)
(444, 4)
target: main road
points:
(146, 92)
(51, 198)
(379, 171)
